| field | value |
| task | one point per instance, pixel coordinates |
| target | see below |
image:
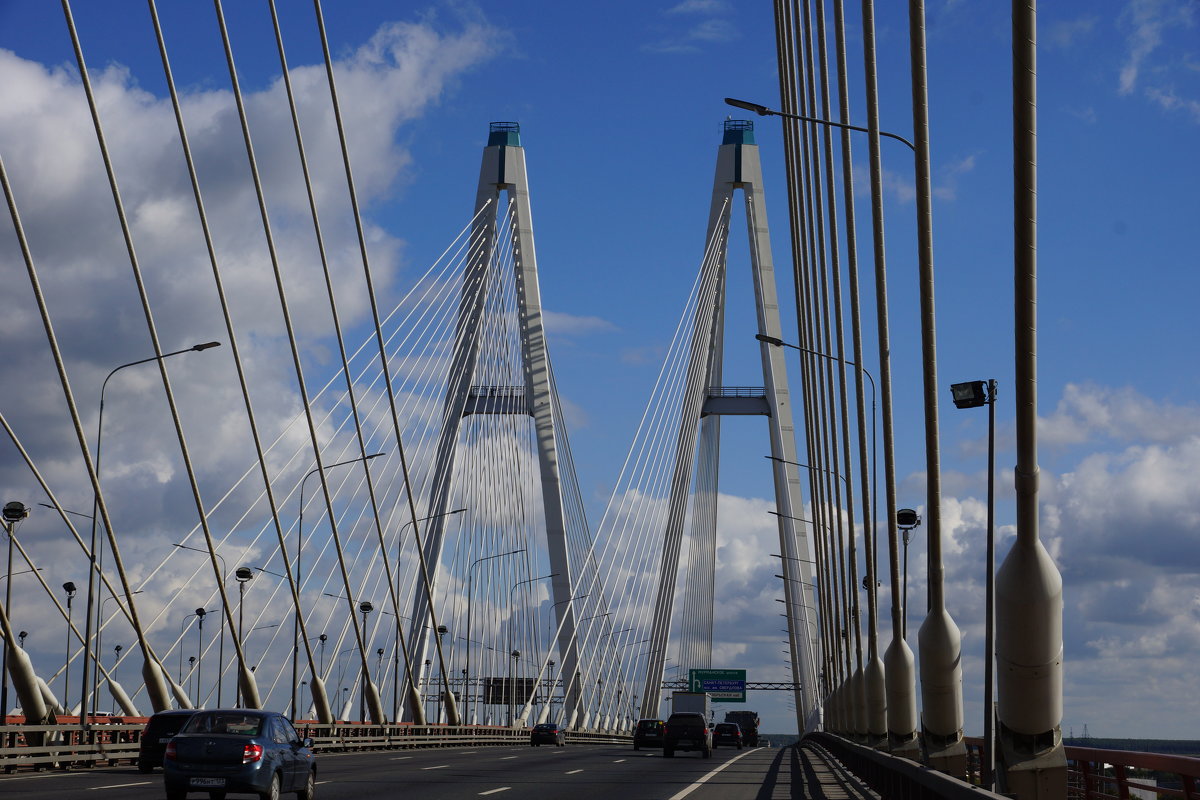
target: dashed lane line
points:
(400, 758)
(703, 780)
(439, 766)
(574, 771)
(493, 791)
(619, 761)
(506, 758)
(119, 785)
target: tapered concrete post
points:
(1029, 602)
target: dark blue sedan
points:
(239, 751)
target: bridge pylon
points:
(502, 171)
(698, 442)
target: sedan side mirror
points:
(307, 742)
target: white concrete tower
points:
(738, 167)
(503, 171)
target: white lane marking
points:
(506, 758)
(468, 752)
(8, 778)
(699, 783)
(318, 783)
(493, 791)
(439, 766)
(118, 786)
(400, 758)
(574, 771)
(619, 761)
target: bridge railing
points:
(48, 746)
(1094, 774)
(894, 777)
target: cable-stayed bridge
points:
(398, 535)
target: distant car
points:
(159, 730)
(240, 751)
(547, 733)
(727, 733)
(687, 730)
(648, 733)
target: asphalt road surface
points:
(574, 772)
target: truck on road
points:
(748, 722)
(697, 702)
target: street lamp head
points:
(243, 574)
(22, 636)
(15, 511)
(200, 612)
(516, 654)
(379, 652)
(324, 637)
(907, 518)
(118, 649)
(761, 110)
(366, 607)
(972, 394)
(551, 663)
(771, 340)
(205, 346)
(442, 630)
(69, 588)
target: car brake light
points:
(170, 751)
(252, 753)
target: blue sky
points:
(620, 108)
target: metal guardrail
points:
(1094, 774)
(61, 746)
(894, 777)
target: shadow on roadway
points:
(803, 773)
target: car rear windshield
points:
(227, 722)
(650, 724)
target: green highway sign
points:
(722, 685)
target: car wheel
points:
(145, 769)
(175, 793)
(635, 747)
(275, 790)
(310, 787)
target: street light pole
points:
(972, 395)
(516, 655)
(242, 575)
(415, 694)
(69, 587)
(777, 342)
(299, 575)
(221, 640)
(764, 111)
(366, 608)
(200, 615)
(91, 682)
(14, 512)
(470, 579)
(906, 520)
(100, 642)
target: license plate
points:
(164, 740)
(206, 782)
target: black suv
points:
(687, 731)
(159, 730)
(648, 733)
(548, 733)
